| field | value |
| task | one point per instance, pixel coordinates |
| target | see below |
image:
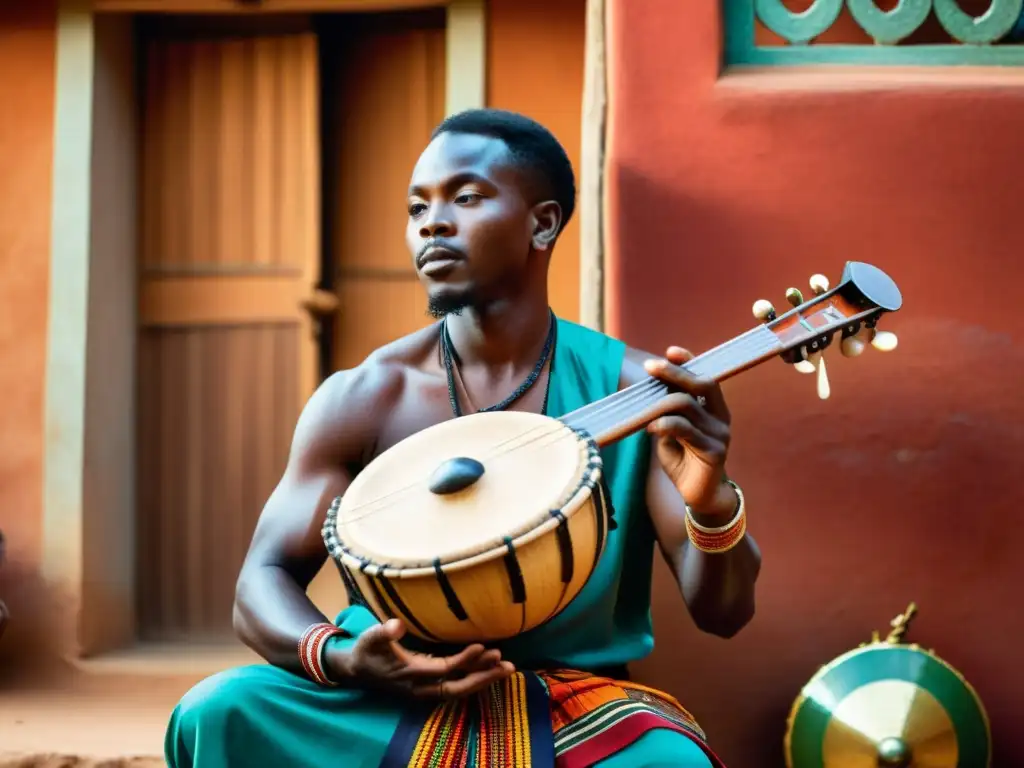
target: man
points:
(488, 198)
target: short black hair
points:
(533, 147)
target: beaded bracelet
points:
(311, 651)
(721, 539)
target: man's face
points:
(470, 227)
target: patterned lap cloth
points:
(552, 719)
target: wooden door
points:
(227, 354)
(385, 82)
(388, 93)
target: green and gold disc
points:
(888, 705)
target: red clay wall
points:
(906, 484)
(27, 60)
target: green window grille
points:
(995, 37)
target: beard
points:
(441, 305)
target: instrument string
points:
(599, 416)
(610, 412)
(707, 365)
(557, 433)
(546, 428)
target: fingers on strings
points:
(683, 430)
(669, 369)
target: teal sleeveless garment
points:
(609, 622)
(261, 715)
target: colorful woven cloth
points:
(555, 719)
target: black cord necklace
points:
(451, 359)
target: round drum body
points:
(888, 704)
(487, 562)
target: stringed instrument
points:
(486, 526)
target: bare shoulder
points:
(633, 370)
(343, 417)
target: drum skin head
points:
(532, 464)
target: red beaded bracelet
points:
(311, 651)
(718, 540)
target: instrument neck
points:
(633, 408)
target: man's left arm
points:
(718, 588)
(689, 447)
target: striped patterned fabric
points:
(554, 719)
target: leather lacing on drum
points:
(517, 584)
(355, 596)
(602, 501)
(400, 606)
(454, 604)
(564, 545)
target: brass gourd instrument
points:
(888, 704)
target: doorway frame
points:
(88, 516)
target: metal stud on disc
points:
(888, 705)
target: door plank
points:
(206, 300)
(229, 251)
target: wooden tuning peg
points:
(805, 366)
(852, 346)
(824, 389)
(819, 284)
(764, 311)
(884, 341)
(794, 297)
(815, 363)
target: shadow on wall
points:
(3, 606)
(688, 288)
(924, 442)
(701, 246)
(32, 624)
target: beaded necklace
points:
(451, 359)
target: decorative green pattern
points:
(988, 40)
(864, 666)
(802, 27)
(999, 19)
(890, 26)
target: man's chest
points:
(430, 403)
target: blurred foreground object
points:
(3, 608)
(891, 705)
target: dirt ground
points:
(107, 712)
(95, 721)
(67, 761)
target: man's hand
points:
(693, 440)
(377, 659)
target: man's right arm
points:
(272, 609)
